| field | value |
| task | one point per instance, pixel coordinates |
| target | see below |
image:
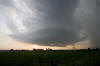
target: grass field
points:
(50, 58)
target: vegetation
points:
(50, 58)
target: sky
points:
(56, 24)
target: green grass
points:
(50, 58)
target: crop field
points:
(50, 58)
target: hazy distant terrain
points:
(50, 58)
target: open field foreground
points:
(50, 58)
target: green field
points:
(50, 58)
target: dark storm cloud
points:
(53, 22)
(55, 25)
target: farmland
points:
(50, 58)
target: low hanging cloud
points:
(52, 22)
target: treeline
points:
(49, 49)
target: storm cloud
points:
(89, 13)
(53, 22)
(54, 25)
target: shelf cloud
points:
(52, 22)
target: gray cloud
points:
(55, 22)
(89, 19)
(55, 25)
(6, 7)
(6, 3)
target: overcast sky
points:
(57, 24)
